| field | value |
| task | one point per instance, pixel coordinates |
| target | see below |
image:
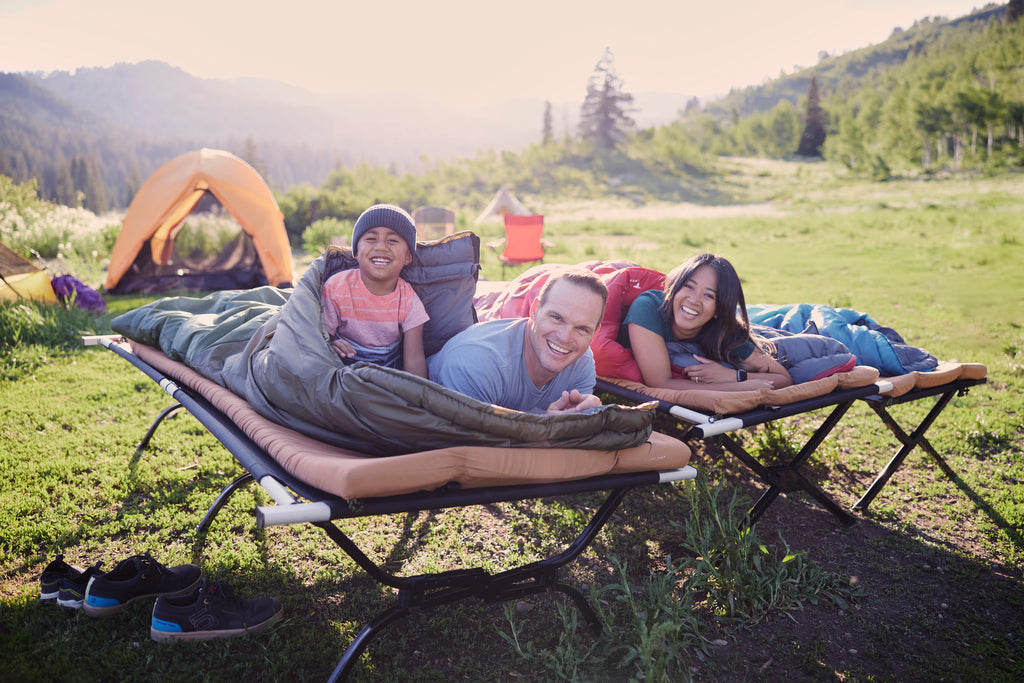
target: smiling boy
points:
(370, 312)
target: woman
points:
(699, 305)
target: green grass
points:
(939, 260)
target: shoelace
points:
(221, 590)
(146, 563)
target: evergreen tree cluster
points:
(604, 116)
(940, 94)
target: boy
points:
(372, 314)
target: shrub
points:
(317, 237)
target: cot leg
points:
(221, 499)
(167, 412)
(362, 639)
(585, 608)
(432, 590)
(909, 442)
(787, 477)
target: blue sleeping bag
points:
(880, 347)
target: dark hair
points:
(581, 277)
(730, 328)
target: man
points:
(537, 364)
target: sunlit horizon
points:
(460, 51)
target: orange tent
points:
(167, 197)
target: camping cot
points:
(293, 468)
(724, 413)
(829, 380)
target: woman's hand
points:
(711, 372)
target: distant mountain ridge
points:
(155, 99)
(127, 119)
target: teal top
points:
(646, 312)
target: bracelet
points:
(741, 375)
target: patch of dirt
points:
(935, 598)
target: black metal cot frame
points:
(787, 477)
(908, 441)
(414, 592)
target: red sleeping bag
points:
(625, 281)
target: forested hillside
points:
(81, 158)
(939, 94)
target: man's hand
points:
(573, 402)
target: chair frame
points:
(514, 224)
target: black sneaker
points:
(137, 578)
(211, 611)
(72, 591)
(53, 576)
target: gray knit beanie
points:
(386, 216)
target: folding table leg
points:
(909, 441)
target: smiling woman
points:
(700, 304)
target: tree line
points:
(937, 95)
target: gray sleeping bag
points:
(270, 347)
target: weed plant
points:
(206, 234)
(34, 334)
(656, 628)
(318, 236)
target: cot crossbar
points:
(786, 476)
(916, 437)
(414, 592)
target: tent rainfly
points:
(504, 203)
(20, 279)
(161, 205)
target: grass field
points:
(927, 586)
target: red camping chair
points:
(523, 242)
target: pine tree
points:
(548, 132)
(1014, 11)
(604, 116)
(813, 136)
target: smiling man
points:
(538, 364)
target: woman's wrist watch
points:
(741, 375)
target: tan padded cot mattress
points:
(352, 475)
(732, 402)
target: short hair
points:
(582, 278)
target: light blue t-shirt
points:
(485, 361)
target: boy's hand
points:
(573, 402)
(343, 348)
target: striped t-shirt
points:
(354, 312)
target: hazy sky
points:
(465, 51)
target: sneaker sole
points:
(108, 610)
(171, 636)
(71, 604)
